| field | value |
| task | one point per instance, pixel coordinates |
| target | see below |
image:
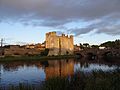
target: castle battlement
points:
(51, 33)
(63, 35)
(55, 34)
(71, 36)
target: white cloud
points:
(57, 13)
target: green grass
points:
(37, 58)
(96, 80)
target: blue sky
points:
(90, 21)
(20, 34)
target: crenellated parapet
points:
(51, 34)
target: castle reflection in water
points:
(51, 68)
(59, 68)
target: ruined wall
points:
(16, 50)
(59, 45)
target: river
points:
(35, 72)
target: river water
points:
(35, 72)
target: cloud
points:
(109, 25)
(21, 43)
(102, 15)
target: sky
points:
(90, 21)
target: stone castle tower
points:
(59, 45)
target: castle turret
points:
(63, 35)
(71, 36)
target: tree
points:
(86, 45)
(45, 52)
(95, 46)
(81, 46)
(112, 44)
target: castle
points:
(59, 45)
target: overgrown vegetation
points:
(96, 80)
(80, 81)
(109, 44)
(35, 58)
(45, 53)
(112, 44)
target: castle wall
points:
(52, 43)
(71, 45)
(52, 40)
(64, 45)
(59, 45)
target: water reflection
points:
(35, 72)
(59, 68)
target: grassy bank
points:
(97, 80)
(28, 58)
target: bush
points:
(45, 52)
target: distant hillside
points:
(112, 44)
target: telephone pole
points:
(1, 42)
(1, 47)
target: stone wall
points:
(17, 50)
(59, 45)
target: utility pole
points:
(1, 47)
(1, 42)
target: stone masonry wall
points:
(59, 45)
(16, 50)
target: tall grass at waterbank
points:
(96, 80)
(35, 58)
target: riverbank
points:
(35, 58)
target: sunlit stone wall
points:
(59, 45)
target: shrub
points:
(45, 52)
